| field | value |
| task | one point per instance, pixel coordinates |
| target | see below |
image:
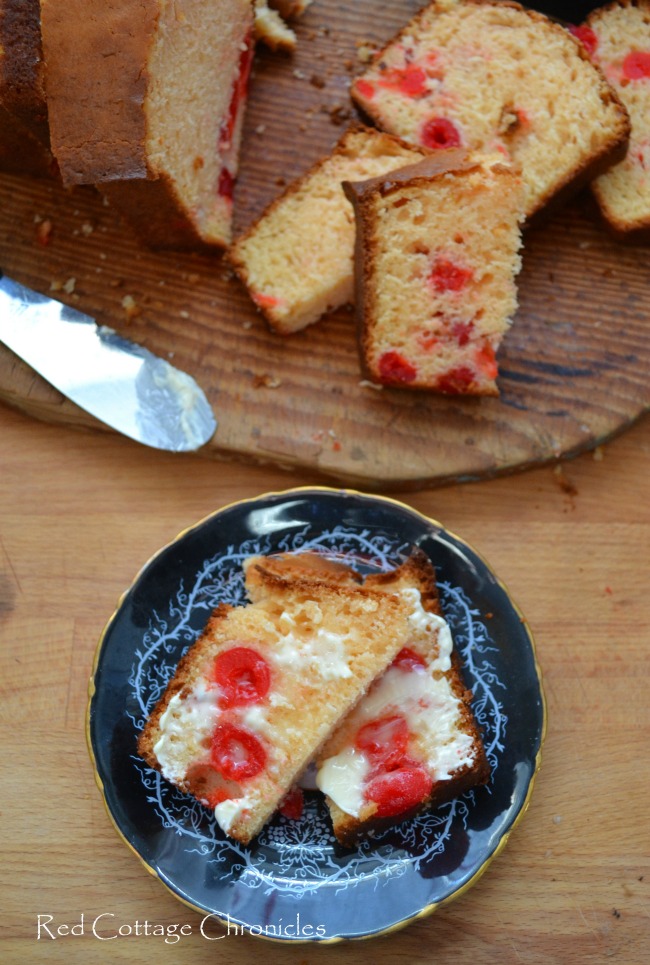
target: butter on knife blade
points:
(118, 382)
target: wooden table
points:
(80, 512)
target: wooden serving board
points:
(574, 367)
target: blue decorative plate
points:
(295, 882)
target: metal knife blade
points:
(118, 382)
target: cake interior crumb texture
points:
(492, 76)
(297, 259)
(440, 256)
(620, 41)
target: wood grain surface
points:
(80, 512)
(573, 367)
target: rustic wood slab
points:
(574, 368)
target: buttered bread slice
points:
(412, 743)
(264, 686)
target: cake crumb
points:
(366, 51)
(338, 113)
(87, 229)
(564, 483)
(367, 384)
(266, 382)
(317, 81)
(69, 285)
(599, 454)
(44, 232)
(130, 306)
(184, 314)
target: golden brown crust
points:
(22, 89)
(95, 54)
(24, 131)
(309, 565)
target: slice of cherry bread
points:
(146, 101)
(412, 742)
(297, 259)
(488, 75)
(437, 252)
(263, 687)
(618, 39)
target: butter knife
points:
(121, 383)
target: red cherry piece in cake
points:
(440, 132)
(462, 331)
(486, 362)
(586, 36)
(636, 65)
(265, 301)
(293, 804)
(413, 81)
(393, 367)
(236, 753)
(449, 276)
(206, 784)
(243, 676)
(238, 93)
(226, 185)
(399, 790)
(384, 741)
(408, 659)
(456, 381)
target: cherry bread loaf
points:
(437, 252)
(24, 130)
(486, 75)
(264, 686)
(618, 39)
(146, 101)
(297, 258)
(412, 742)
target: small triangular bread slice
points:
(264, 686)
(297, 258)
(412, 743)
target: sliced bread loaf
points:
(146, 101)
